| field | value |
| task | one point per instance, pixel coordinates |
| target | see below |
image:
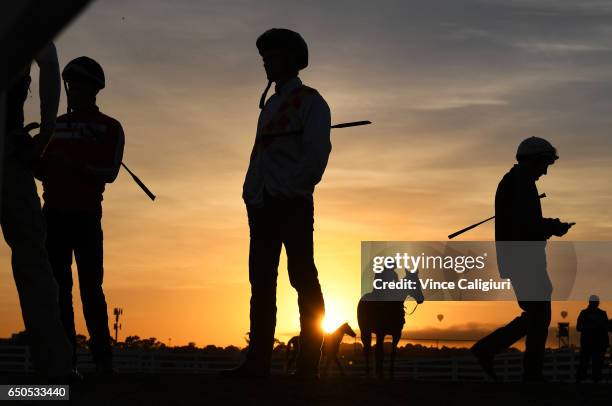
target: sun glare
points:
(331, 322)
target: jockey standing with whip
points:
(278, 189)
(84, 155)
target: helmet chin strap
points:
(68, 109)
(262, 100)
(66, 90)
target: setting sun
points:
(338, 310)
(331, 322)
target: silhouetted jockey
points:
(594, 340)
(521, 233)
(82, 157)
(278, 188)
(23, 223)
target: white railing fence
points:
(560, 365)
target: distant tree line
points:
(348, 350)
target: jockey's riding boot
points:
(485, 360)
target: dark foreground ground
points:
(176, 390)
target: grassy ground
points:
(177, 390)
(195, 389)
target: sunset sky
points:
(451, 86)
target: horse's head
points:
(346, 329)
(417, 292)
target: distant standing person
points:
(521, 233)
(594, 340)
(278, 192)
(22, 220)
(84, 155)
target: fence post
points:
(572, 368)
(26, 364)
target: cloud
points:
(561, 48)
(459, 102)
(461, 332)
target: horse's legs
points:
(339, 365)
(366, 340)
(326, 366)
(396, 339)
(379, 354)
(289, 361)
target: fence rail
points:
(559, 365)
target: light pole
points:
(117, 311)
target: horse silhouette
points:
(382, 313)
(331, 346)
(291, 351)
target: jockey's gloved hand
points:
(560, 228)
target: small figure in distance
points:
(594, 340)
